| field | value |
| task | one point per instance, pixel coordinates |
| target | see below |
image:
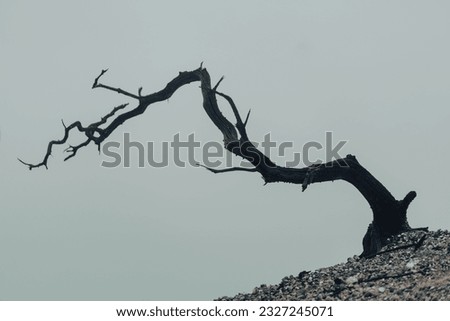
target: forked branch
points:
(93, 132)
(118, 90)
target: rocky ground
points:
(415, 266)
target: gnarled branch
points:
(389, 214)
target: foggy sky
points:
(374, 73)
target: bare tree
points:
(389, 214)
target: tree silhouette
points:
(389, 214)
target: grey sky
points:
(375, 73)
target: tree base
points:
(375, 239)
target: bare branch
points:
(407, 200)
(97, 79)
(73, 149)
(225, 170)
(76, 124)
(239, 122)
(118, 90)
(88, 131)
(31, 166)
(105, 118)
(98, 134)
(218, 83)
(246, 118)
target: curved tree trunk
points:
(389, 214)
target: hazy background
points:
(375, 73)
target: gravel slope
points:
(419, 271)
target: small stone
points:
(351, 280)
(368, 294)
(338, 281)
(411, 264)
(381, 289)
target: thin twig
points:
(96, 84)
